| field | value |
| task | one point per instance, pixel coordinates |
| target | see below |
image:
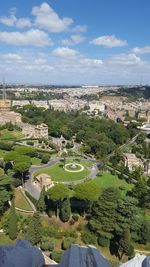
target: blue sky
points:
(75, 42)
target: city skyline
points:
(94, 42)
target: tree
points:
(45, 158)
(124, 244)
(58, 193)
(34, 232)
(140, 192)
(5, 192)
(87, 191)
(12, 224)
(65, 210)
(41, 203)
(103, 214)
(22, 167)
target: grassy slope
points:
(20, 201)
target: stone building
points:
(10, 116)
(132, 161)
(41, 131)
(43, 180)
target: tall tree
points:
(41, 203)
(57, 194)
(103, 213)
(65, 210)
(22, 167)
(34, 232)
(124, 244)
(5, 192)
(12, 224)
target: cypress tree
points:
(12, 224)
(41, 203)
(34, 232)
(65, 210)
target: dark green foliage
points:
(47, 244)
(102, 222)
(145, 232)
(56, 255)
(99, 136)
(41, 202)
(140, 192)
(75, 217)
(5, 192)
(6, 146)
(34, 232)
(103, 241)
(87, 237)
(67, 242)
(65, 210)
(124, 244)
(87, 191)
(12, 224)
(45, 158)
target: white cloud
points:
(109, 41)
(8, 21)
(125, 59)
(74, 39)
(80, 28)
(88, 62)
(48, 19)
(141, 50)
(33, 37)
(64, 52)
(23, 22)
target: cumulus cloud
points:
(109, 41)
(48, 19)
(74, 39)
(141, 50)
(12, 20)
(32, 37)
(64, 52)
(8, 21)
(126, 59)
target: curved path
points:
(33, 189)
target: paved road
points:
(33, 189)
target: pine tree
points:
(125, 246)
(65, 210)
(41, 202)
(12, 224)
(34, 232)
(103, 214)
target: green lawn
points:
(36, 161)
(5, 134)
(58, 174)
(109, 180)
(2, 153)
(20, 201)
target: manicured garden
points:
(108, 180)
(57, 173)
(6, 134)
(20, 201)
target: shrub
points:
(103, 241)
(70, 233)
(87, 237)
(30, 143)
(75, 217)
(56, 255)
(67, 242)
(47, 245)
